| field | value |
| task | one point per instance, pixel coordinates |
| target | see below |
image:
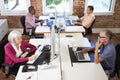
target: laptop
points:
(48, 23)
(69, 23)
(81, 56)
(78, 56)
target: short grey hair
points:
(108, 34)
(12, 35)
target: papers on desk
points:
(74, 29)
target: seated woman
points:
(16, 51)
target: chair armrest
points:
(7, 68)
(107, 68)
(8, 65)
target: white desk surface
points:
(79, 71)
(74, 29)
(71, 29)
(72, 17)
(44, 17)
(24, 75)
(51, 73)
(42, 29)
(74, 35)
(68, 29)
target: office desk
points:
(74, 29)
(68, 29)
(68, 70)
(52, 73)
(69, 17)
(79, 71)
(42, 29)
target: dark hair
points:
(30, 8)
(109, 34)
(91, 7)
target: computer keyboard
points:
(79, 55)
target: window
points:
(14, 7)
(101, 7)
(59, 6)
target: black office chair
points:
(117, 62)
(22, 19)
(89, 30)
(4, 66)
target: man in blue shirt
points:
(107, 54)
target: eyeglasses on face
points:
(102, 37)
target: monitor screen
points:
(53, 41)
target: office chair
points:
(117, 62)
(89, 30)
(4, 66)
(22, 20)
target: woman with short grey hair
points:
(16, 50)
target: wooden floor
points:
(115, 40)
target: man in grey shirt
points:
(107, 54)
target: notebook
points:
(78, 56)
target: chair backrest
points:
(117, 63)
(2, 52)
(22, 19)
(89, 30)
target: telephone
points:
(29, 68)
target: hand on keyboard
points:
(80, 55)
(84, 50)
(33, 57)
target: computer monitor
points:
(53, 38)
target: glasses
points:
(102, 37)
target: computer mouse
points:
(69, 35)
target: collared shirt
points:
(87, 20)
(18, 51)
(108, 54)
(30, 21)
